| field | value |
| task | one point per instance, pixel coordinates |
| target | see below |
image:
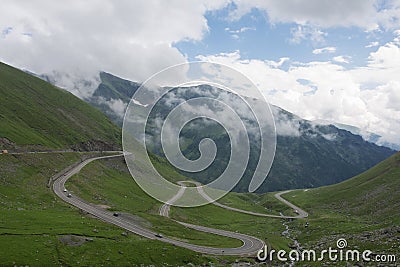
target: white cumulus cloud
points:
(329, 91)
(342, 59)
(323, 50)
(372, 44)
(74, 41)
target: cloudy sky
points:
(327, 60)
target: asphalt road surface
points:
(251, 245)
(300, 213)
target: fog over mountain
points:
(308, 153)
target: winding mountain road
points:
(300, 213)
(251, 245)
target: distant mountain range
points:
(308, 154)
(367, 136)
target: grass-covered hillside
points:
(365, 210)
(374, 193)
(39, 229)
(36, 114)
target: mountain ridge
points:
(367, 136)
(307, 155)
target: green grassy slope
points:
(109, 183)
(374, 193)
(33, 220)
(364, 210)
(36, 114)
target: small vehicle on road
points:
(159, 235)
(69, 195)
(65, 190)
(116, 214)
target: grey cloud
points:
(286, 124)
(116, 105)
(325, 13)
(73, 42)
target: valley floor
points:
(37, 228)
